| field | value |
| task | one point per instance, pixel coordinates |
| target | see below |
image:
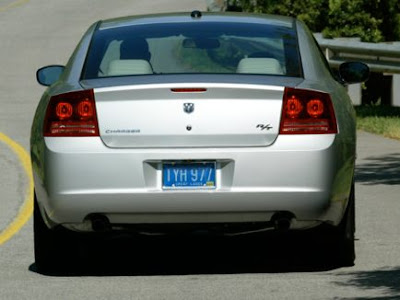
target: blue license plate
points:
(189, 175)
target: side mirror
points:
(353, 72)
(48, 75)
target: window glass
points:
(191, 48)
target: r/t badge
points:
(264, 127)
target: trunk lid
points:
(222, 115)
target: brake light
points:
(85, 110)
(188, 90)
(315, 108)
(71, 114)
(293, 107)
(307, 112)
(64, 110)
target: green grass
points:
(379, 119)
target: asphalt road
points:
(34, 33)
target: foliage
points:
(312, 12)
(203, 61)
(377, 110)
(223, 59)
(351, 18)
(372, 21)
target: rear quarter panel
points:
(69, 81)
(317, 76)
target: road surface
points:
(34, 33)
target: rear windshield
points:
(193, 48)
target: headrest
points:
(129, 67)
(260, 66)
(135, 48)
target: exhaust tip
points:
(282, 221)
(100, 223)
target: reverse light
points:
(71, 114)
(307, 112)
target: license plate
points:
(199, 175)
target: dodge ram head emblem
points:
(188, 107)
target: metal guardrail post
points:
(355, 93)
(396, 90)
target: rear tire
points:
(346, 234)
(45, 242)
(54, 248)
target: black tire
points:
(345, 235)
(45, 241)
(54, 248)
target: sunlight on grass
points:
(382, 120)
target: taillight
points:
(307, 112)
(71, 114)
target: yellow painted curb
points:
(25, 212)
(13, 4)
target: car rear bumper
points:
(297, 174)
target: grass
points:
(379, 119)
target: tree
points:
(312, 12)
(350, 18)
(372, 21)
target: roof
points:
(274, 20)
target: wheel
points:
(344, 235)
(45, 242)
(338, 242)
(54, 249)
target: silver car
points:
(229, 123)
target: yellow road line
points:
(13, 5)
(26, 209)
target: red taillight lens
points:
(293, 107)
(307, 112)
(85, 109)
(315, 108)
(72, 114)
(64, 110)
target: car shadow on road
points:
(387, 280)
(200, 255)
(379, 170)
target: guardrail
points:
(380, 57)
